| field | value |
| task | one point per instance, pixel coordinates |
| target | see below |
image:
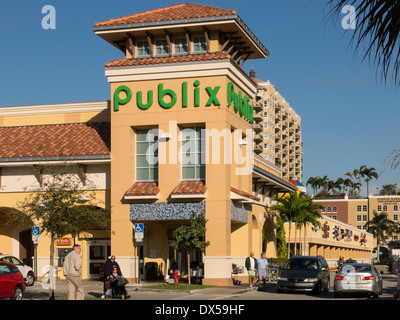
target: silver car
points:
(358, 278)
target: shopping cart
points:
(273, 271)
(235, 274)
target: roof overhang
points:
(272, 181)
(225, 24)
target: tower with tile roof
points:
(180, 75)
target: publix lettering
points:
(167, 98)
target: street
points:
(93, 290)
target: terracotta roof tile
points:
(124, 62)
(244, 194)
(143, 189)
(190, 187)
(175, 12)
(58, 140)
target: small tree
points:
(57, 207)
(380, 226)
(192, 237)
(281, 248)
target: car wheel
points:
(18, 293)
(30, 279)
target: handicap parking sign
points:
(139, 227)
(35, 230)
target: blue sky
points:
(349, 118)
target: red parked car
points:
(12, 283)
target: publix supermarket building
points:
(175, 138)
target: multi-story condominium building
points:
(357, 212)
(277, 130)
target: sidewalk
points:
(94, 289)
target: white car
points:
(27, 272)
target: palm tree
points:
(350, 175)
(347, 184)
(313, 182)
(331, 185)
(311, 214)
(339, 184)
(378, 26)
(356, 175)
(370, 174)
(388, 189)
(289, 207)
(379, 226)
(362, 173)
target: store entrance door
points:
(98, 253)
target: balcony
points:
(257, 127)
(258, 116)
(258, 106)
(278, 146)
(258, 149)
(258, 137)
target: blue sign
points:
(35, 230)
(139, 227)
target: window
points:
(143, 49)
(359, 227)
(265, 124)
(395, 208)
(265, 135)
(358, 208)
(329, 209)
(147, 155)
(323, 209)
(395, 237)
(334, 217)
(265, 145)
(365, 208)
(395, 217)
(334, 209)
(266, 103)
(193, 153)
(199, 44)
(358, 217)
(365, 217)
(162, 48)
(364, 227)
(385, 208)
(180, 46)
(265, 114)
(265, 155)
(379, 208)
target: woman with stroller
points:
(117, 290)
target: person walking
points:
(262, 264)
(251, 266)
(108, 269)
(72, 270)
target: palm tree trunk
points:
(188, 261)
(305, 231)
(295, 239)
(290, 229)
(51, 274)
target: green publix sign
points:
(241, 102)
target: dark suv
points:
(308, 273)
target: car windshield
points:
(296, 264)
(356, 268)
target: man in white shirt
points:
(251, 266)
